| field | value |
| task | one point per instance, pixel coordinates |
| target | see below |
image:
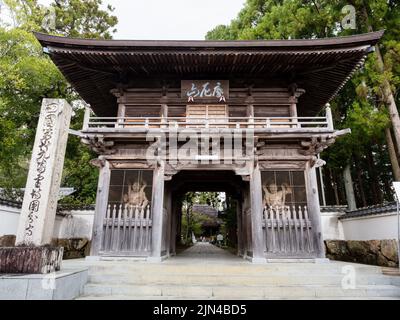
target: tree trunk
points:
(376, 191)
(390, 102)
(335, 189)
(387, 90)
(392, 154)
(348, 185)
(328, 187)
(187, 222)
(360, 181)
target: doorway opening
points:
(207, 208)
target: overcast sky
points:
(170, 19)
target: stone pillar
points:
(45, 171)
(257, 237)
(103, 188)
(314, 210)
(157, 213)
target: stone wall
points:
(74, 248)
(7, 240)
(374, 252)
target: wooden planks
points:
(288, 230)
(127, 229)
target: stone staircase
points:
(237, 279)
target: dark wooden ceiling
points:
(320, 66)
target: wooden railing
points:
(287, 230)
(199, 123)
(127, 229)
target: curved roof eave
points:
(346, 41)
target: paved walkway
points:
(205, 252)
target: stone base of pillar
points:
(30, 260)
(257, 260)
(156, 259)
(92, 258)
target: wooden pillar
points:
(293, 106)
(239, 227)
(293, 110)
(329, 118)
(157, 213)
(250, 111)
(258, 252)
(314, 210)
(168, 229)
(164, 111)
(86, 118)
(121, 114)
(174, 226)
(101, 206)
(179, 222)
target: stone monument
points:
(33, 253)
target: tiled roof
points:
(333, 208)
(10, 203)
(205, 209)
(371, 210)
(95, 67)
(60, 207)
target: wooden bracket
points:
(316, 145)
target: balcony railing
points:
(112, 123)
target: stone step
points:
(238, 279)
(226, 269)
(241, 292)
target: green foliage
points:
(73, 18)
(27, 76)
(193, 221)
(360, 104)
(86, 19)
(212, 199)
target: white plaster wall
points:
(9, 217)
(332, 228)
(377, 227)
(77, 224)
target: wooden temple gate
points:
(273, 90)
